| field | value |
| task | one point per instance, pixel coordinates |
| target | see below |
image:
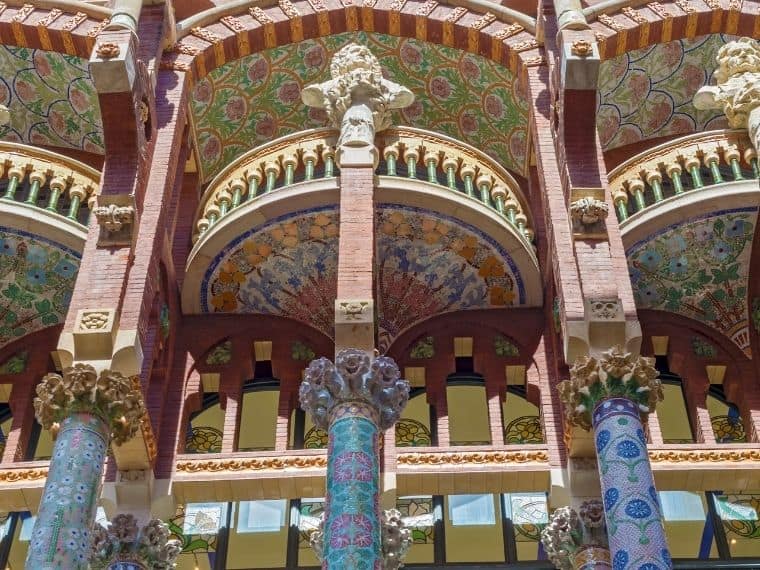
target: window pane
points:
(741, 523)
(196, 526)
(258, 420)
(473, 529)
(726, 422)
(308, 520)
(673, 415)
(413, 429)
(44, 448)
(417, 513)
(21, 536)
(529, 514)
(468, 415)
(259, 535)
(204, 434)
(522, 423)
(686, 528)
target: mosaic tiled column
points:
(126, 546)
(88, 411)
(574, 541)
(611, 394)
(353, 400)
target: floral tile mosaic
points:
(648, 93)
(287, 267)
(699, 268)
(430, 264)
(51, 98)
(36, 280)
(252, 100)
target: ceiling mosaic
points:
(287, 267)
(254, 99)
(36, 280)
(699, 268)
(648, 93)
(430, 264)
(51, 98)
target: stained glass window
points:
(417, 513)
(741, 523)
(529, 514)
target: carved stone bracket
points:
(116, 223)
(588, 212)
(124, 541)
(570, 533)
(354, 377)
(109, 395)
(616, 374)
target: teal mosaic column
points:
(354, 400)
(611, 395)
(126, 546)
(577, 541)
(87, 411)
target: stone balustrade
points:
(682, 165)
(47, 180)
(437, 159)
(302, 156)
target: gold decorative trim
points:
(704, 456)
(476, 457)
(252, 464)
(16, 475)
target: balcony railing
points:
(46, 180)
(405, 153)
(680, 166)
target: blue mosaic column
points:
(610, 395)
(354, 400)
(632, 509)
(88, 412)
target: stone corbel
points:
(113, 63)
(355, 324)
(580, 61)
(588, 212)
(116, 215)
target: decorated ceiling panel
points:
(51, 98)
(254, 99)
(430, 264)
(699, 268)
(648, 93)
(36, 280)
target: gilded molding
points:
(704, 456)
(476, 457)
(16, 475)
(252, 464)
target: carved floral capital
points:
(570, 532)
(109, 395)
(616, 374)
(113, 218)
(124, 541)
(354, 377)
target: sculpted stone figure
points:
(737, 92)
(357, 98)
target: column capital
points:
(571, 532)
(110, 395)
(354, 377)
(615, 374)
(125, 541)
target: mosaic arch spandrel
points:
(254, 99)
(36, 280)
(51, 98)
(648, 93)
(699, 269)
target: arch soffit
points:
(213, 38)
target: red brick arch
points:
(204, 48)
(58, 29)
(632, 28)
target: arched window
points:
(725, 418)
(672, 412)
(520, 418)
(414, 427)
(205, 429)
(258, 417)
(467, 409)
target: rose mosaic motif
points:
(252, 100)
(36, 280)
(51, 98)
(699, 269)
(649, 92)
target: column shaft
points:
(352, 525)
(632, 509)
(61, 535)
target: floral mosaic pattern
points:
(252, 100)
(525, 429)
(648, 93)
(425, 348)
(430, 264)
(634, 521)
(15, 363)
(220, 354)
(51, 98)
(352, 524)
(36, 280)
(698, 268)
(287, 267)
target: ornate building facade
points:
(357, 283)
